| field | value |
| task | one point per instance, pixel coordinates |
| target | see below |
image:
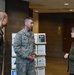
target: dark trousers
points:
(71, 74)
(0, 68)
(1, 63)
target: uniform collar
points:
(28, 33)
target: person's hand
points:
(66, 55)
(33, 55)
(30, 57)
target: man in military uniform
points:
(3, 23)
(24, 48)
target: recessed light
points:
(71, 10)
(36, 10)
(66, 3)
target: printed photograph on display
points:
(41, 61)
(35, 37)
(13, 35)
(41, 37)
(41, 49)
(41, 71)
(13, 62)
(13, 72)
(36, 49)
(13, 53)
(35, 61)
(13, 57)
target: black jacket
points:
(1, 43)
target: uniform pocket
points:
(24, 40)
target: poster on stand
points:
(13, 62)
(41, 49)
(41, 71)
(13, 52)
(13, 72)
(13, 35)
(41, 61)
(41, 37)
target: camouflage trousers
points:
(25, 68)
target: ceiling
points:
(46, 6)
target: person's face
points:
(4, 20)
(29, 24)
(72, 34)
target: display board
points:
(40, 50)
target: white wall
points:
(2, 5)
(36, 22)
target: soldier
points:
(24, 48)
(3, 23)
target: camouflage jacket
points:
(23, 44)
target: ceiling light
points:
(66, 3)
(71, 10)
(36, 10)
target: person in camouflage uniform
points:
(3, 23)
(24, 47)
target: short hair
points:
(72, 29)
(28, 18)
